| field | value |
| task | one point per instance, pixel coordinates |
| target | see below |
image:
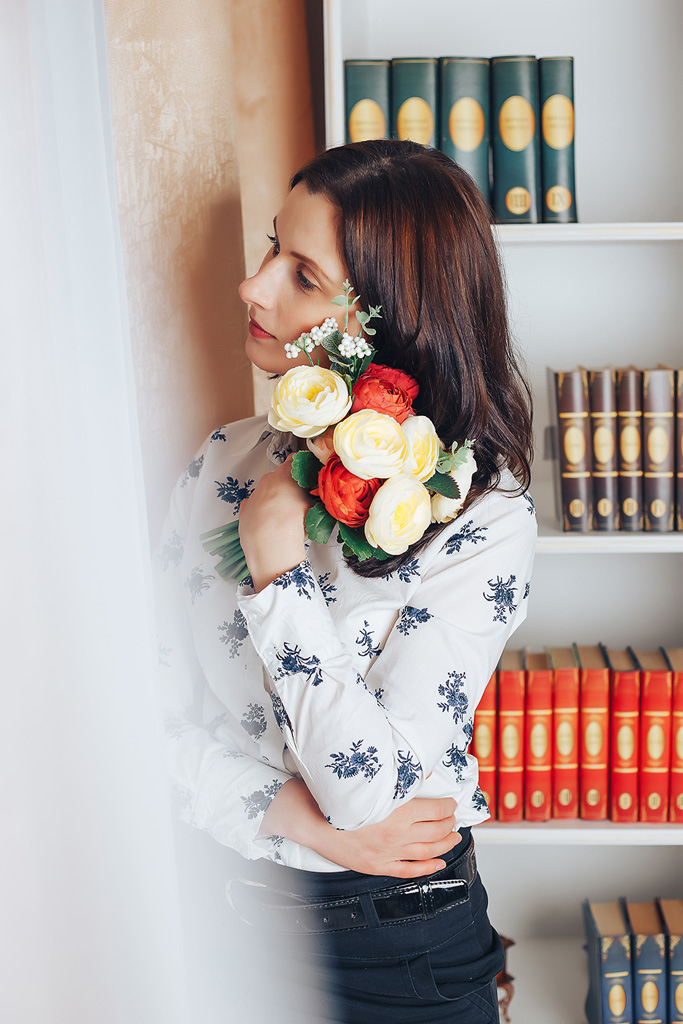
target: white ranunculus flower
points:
(399, 514)
(371, 444)
(424, 444)
(445, 509)
(308, 399)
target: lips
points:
(257, 331)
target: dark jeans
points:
(404, 972)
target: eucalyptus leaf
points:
(319, 523)
(362, 317)
(305, 469)
(338, 300)
(370, 330)
(443, 484)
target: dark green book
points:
(610, 987)
(515, 134)
(414, 99)
(556, 92)
(367, 99)
(464, 102)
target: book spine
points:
(538, 720)
(624, 746)
(610, 991)
(414, 112)
(464, 113)
(565, 775)
(367, 99)
(594, 722)
(676, 794)
(675, 979)
(649, 978)
(556, 94)
(603, 420)
(515, 140)
(484, 743)
(658, 449)
(511, 745)
(679, 450)
(575, 447)
(655, 745)
(630, 448)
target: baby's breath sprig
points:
(310, 340)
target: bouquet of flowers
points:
(379, 471)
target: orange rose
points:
(398, 377)
(344, 495)
(375, 391)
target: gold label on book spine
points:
(517, 123)
(654, 801)
(605, 507)
(564, 739)
(483, 740)
(510, 800)
(679, 802)
(678, 743)
(558, 199)
(678, 998)
(656, 742)
(576, 508)
(593, 797)
(557, 121)
(565, 797)
(629, 443)
(538, 740)
(415, 120)
(658, 445)
(629, 506)
(658, 508)
(518, 200)
(509, 742)
(617, 1000)
(367, 121)
(574, 445)
(603, 444)
(625, 800)
(466, 124)
(626, 743)
(537, 798)
(649, 996)
(593, 739)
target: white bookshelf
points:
(608, 290)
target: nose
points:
(257, 290)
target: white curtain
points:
(89, 925)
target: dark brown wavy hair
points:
(415, 234)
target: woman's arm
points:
(407, 844)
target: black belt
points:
(258, 904)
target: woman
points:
(310, 708)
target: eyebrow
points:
(304, 259)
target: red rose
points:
(398, 377)
(378, 392)
(344, 495)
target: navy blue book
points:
(648, 948)
(610, 989)
(672, 914)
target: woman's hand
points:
(407, 844)
(272, 529)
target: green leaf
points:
(354, 538)
(362, 317)
(370, 330)
(364, 364)
(338, 300)
(305, 469)
(319, 523)
(331, 343)
(443, 484)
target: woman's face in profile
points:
(294, 286)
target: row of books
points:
(509, 121)
(619, 448)
(583, 732)
(635, 961)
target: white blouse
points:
(363, 687)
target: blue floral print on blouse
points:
(197, 582)
(408, 773)
(260, 800)
(301, 578)
(293, 662)
(456, 702)
(405, 572)
(503, 597)
(356, 762)
(456, 760)
(364, 641)
(218, 435)
(465, 533)
(254, 721)
(172, 552)
(328, 589)
(192, 470)
(234, 633)
(530, 504)
(280, 712)
(411, 618)
(479, 800)
(233, 493)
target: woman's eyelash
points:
(273, 241)
(304, 282)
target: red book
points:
(565, 753)
(624, 735)
(538, 725)
(655, 735)
(484, 743)
(594, 733)
(511, 736)
(674, 658)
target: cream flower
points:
(445, 509)
(399, 514)
(371, 444)
(308, 399)
(322, 446)
(424, 445)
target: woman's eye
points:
(304, 283)
(275, 244)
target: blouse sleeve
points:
(223, 791)
(359, 755)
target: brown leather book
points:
(571, 391)
(630, 447)
(603, 421)
(658, 448)
(679, 450)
